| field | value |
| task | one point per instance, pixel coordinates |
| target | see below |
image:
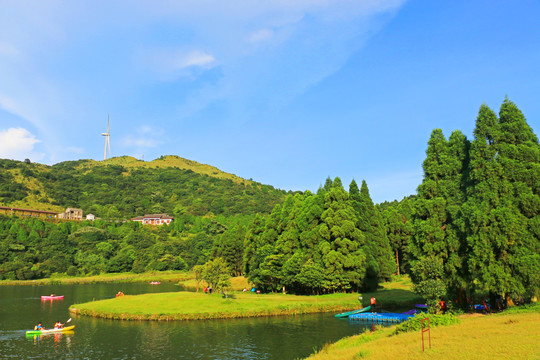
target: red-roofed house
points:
(154, 219)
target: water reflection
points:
(57, 337)
(281, 337)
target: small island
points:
(186, 305)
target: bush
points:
(415, 323)
(72, 271)
(533, 307)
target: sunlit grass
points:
(165, 162)
(191, 305)
(501, 336)
(238, 283)
(395, 294)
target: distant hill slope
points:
(165, 162)
(124, 187)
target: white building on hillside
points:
(154, 219)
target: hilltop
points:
(123, 187)
(166, 161)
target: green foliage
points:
(477, 213)
(528, 308)
(415, 323)
(380, 263)
(216, 274)
(438, 245)
(121, 190)
(503, 205)
(314, 244)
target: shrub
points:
(415, 323)
(72, 271)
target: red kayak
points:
(52, 297)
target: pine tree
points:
(343, 260)
(438, 242)
(503, 204)
(380, 264)
(398, 231)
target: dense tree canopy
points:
(320, 243)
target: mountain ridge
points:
(127, 186)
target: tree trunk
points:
(397, 261)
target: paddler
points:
(58, 325)
(38, 326)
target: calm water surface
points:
(283, 337)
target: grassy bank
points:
(513, 334)
(394, 295)
(184, 278)
(168, 276)
(190, 306)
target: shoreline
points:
(164, 276)
(180, 306)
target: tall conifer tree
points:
(380, 265)
(503, 204)
(438, 241)
(343, 259)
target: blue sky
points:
(284, 92)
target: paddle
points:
(68, 320)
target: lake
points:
(280, 337)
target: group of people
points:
(57, 325)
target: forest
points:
(472, 229)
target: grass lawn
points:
(192, 305)
(508, 335)
(197, 305)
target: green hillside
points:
(124, 187)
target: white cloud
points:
(260, 36)
(193, 58)
(18, 144)
(178, 62)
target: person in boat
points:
(58, 325)
(38, 326)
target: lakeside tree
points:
(312, 244)
(398, 224)
(379, 263)
(216, 274)
(503, 205)
(437, 247)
